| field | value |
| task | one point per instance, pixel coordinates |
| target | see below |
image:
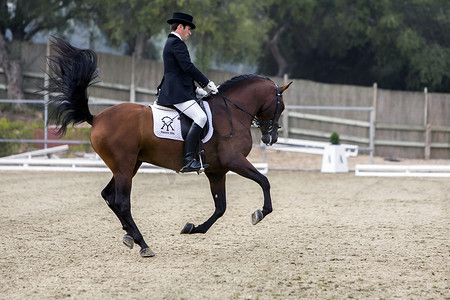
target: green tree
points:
(227, 31)
(399, 44)
(132, 22)
(292, 19)
(412, 45)
(20, 20)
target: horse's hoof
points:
(128, 241)
(257, 216)
(187, 228)
(146, 252)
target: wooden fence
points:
(405, 124)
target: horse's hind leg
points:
(109, 194)
(123, 207)
(117, 196)
(217, 185)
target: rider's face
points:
(184, 31)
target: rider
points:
(177, 87)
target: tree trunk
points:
(13, 72)
(275, 50)
(140, 45)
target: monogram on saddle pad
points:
(169, 123)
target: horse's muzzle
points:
(269, 139)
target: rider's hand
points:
(212, 87)
(200, 92)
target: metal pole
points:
(46, 125)
(46, 97)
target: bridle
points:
(272, 124)
(269, 126)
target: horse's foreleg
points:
(217, 185)
(244, 168)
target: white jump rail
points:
(403, 170)
(40, 152)
(310, 147)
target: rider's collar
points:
(176, 34)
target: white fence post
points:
(427, 150)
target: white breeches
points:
(193, 110)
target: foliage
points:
(15, 130)
(22, 19)
(227, 31)
(399, 44)
(334, 138)
(81, 134)
(127, 21)
(19, 130)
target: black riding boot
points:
(190, 164)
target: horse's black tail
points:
(72, 71)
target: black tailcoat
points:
(180, 73)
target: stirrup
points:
(194, 166)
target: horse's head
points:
(250, 89)
(269, 116)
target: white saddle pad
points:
(167, 125)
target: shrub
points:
(334, 138)
(18, 130)
(15, 130)
(79, 134)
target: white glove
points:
(200, 92)
(212, 87)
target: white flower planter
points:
(334, 159)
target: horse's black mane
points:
(238, 79)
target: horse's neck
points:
(245, 103)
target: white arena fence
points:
(39, 160)
(291, 111)
(32, 163)
(46, 160)
(403, 170)
(289, 142)
(79, 165)
(310, 147)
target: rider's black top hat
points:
(182, 18)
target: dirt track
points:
(330, 236)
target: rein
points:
(268, 125)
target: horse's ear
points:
(284, 87)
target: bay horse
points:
(122, 135)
